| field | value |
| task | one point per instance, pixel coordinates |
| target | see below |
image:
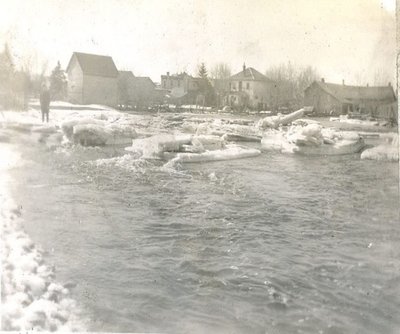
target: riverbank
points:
(32, 299)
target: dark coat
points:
(45, 100)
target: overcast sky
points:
(343, 39)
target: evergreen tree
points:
(58, 83)
(8, 98)
(203, 71)
(6, 67)
(205, 87)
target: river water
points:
(271, 244)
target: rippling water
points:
(273, 244)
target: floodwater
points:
(272, 244)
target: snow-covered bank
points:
(91, 127)
(388, 151)
(66, 105)
(31, 297)
(359, 122)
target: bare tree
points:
(360, 78)
(291, 82)
(220, 71)
(220, 74)
(382, 77)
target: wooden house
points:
(92, 79)
(335, 99)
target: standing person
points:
(45, 102)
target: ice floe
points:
(153, 147)
(312, 139)
(229, 153)
(275, 121)
(388, 151)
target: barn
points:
(335, 99)
(135, 91)
(92, 79)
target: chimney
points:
(390, 84)
(322, 79)
(367, 84)
(167, 74)
(244, 67)
(343, 82)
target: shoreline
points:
(32, 299)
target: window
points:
(240, 86)
(248, 85)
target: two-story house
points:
(251, 89)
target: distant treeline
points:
(19, 84)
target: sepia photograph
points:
(199, 166)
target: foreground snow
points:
(31, 297)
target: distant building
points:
(182, 88)
(335, 99)
(135, 91)
(125, 87)
(160, 95)
(251, 89)
(144, 93)
(388, 111)
(92, 79)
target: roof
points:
(249, 73)
(125, 74)
(142, 81)
(96, 65)
(346, 94)
(180, 76)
